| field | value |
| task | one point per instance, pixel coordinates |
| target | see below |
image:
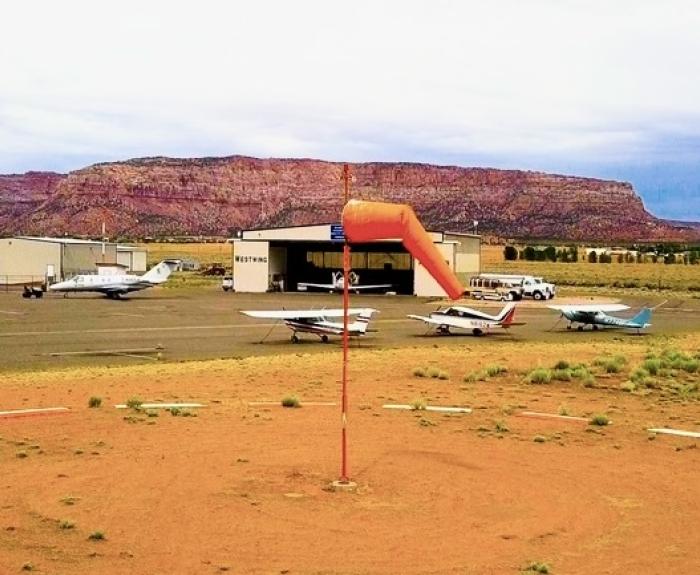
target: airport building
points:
(37, 260)
(281, 258)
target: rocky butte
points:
(215, 196)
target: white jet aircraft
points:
(338, 282)
(467, 318)
(114, 286)
(316, 321)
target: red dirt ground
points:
(243, 489)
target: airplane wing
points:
(425, 319)
(590, 308)
(302, 313)
(304, 286)
(377, 286)
(474, 313)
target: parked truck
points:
(529, 286)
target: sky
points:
(607, 89)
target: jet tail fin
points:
(159, 273)
(643, 317)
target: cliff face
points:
(213, 196)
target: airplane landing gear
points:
(324, 338)
(580, 328)
(476, 331)
(568, 326)
(295, 338)
(443, 330)
(595, 327)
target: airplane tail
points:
(361, 324)
(506, 315)
(159, 273)
(642, 318)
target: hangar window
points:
(395, 261)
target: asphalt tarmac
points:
(205, 323)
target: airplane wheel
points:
(295, 338)
(580, 328)
(324, 338)
(595, 328)
(568, 326)
(477, 331)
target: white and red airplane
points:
(337, 284)
(316, 321)
(470, 319)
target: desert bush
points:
(443, 375)
(614, 364)
(539, 439)
(474, 376)
(65, 524)
(291, 401)
(501, 427)
(134, 403)
(628, 386)
(599, 419)
(418, 405)
(94, 401)
(537, 567)
(494, 370)
(419, 372)
(539, 375)
(652, 365)
(562, 364)
(561, 374)
(433, 372)
(97, 536)
(579, 371)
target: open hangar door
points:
(376, 263)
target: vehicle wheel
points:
(510, 296)
(537, 295)
(26, 295)
(476, 331)
(295, 338)
(324, 338)
(38, 294)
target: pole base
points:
(346, 486)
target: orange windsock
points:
(369, 221)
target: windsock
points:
(370, 221)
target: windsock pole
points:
(346, 338)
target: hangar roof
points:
(59, 240)
(317, 233)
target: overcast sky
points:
(596, 88)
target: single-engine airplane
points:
(115, 286)
(597, 315)
(337, 284)
(316, 321)
(469, 319)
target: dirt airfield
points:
(241, 488)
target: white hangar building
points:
(263, 258)
(27, 259)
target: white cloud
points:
(360, 81)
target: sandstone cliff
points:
(214, 196)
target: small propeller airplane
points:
(316, 321)
(115, 286)
(467, 318)
(337, 284)
(596, 315)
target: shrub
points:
(501, 427)
(474, 376)
(65, 524)
(175, 411)
(418, 405)
(433, 372)
(510, 253)
(579, 371)
(539, 375)
(690, 365)
(652, 365)
(443, 375)
(539, 439)
(599, 419)
(494, 370)
(134, 403)
(561, 375)
(628, 386)
(562, 364)
(613, 364)
(290, 401)
(97, 536)
(94, 401)
(537, 567)
(419, 372)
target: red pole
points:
(346, 340)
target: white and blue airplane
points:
(597, 315)
(115, 286)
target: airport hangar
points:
(263, 257)
(27, 259)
